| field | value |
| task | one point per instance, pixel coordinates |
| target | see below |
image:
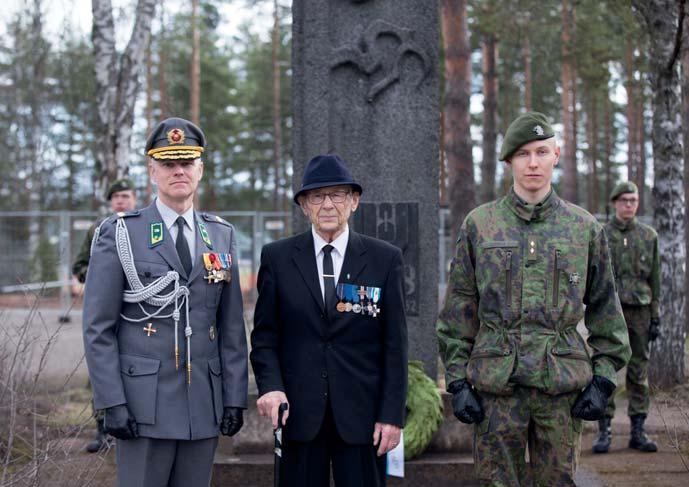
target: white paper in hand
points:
(395, 465)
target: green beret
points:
(120, 185)
(623, 187)
(526, 128)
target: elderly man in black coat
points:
(330, 339)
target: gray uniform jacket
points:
(128, 366)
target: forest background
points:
(78, 98)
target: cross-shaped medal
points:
(375, 311)
(362, 292)
(149, 329)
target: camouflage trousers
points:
(638, 320)
(530, 418)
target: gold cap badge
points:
(175, 136)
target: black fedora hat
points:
(326, 170)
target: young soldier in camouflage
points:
(524, 268)
(634, 251)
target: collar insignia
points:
(204, 235)
(156, 234)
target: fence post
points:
(65, 258)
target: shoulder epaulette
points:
(125, 214)
(215, 219)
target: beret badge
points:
(538, 130)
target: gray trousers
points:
(150, 462)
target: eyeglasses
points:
(628, 201)
(335, 197)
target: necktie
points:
(182, 246)
(329, 280)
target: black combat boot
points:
(99, 441)
(602, 443)
(639, 440)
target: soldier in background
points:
(634, 251)
(121, 197)
(525, 267)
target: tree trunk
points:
(277, 126)
(685, 128)
(607, 157)
(117, 84)
(195, 67)
(149, 116)
(457, 117)
(569, 150)
(664, 21)
(632, 119)
(162, 63)
(490, 115)
(592, 126)
(528, 84)
(641, 138)
(442, 173)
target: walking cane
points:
(278, 443)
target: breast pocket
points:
(213, 292)
(567, 283)
(495, 270)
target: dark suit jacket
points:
(356, 361)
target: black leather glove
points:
(591, 402)
(120, 423)
(654, 330)
(232, 421)
(465, 402)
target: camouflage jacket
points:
(517, 289)
(635, 260)
(81, 263)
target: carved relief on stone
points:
(398, 224)
(363, 54)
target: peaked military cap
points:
(175, 138)
(525, 128)
(621, 188)
(119, 185)
(326, 170)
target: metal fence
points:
(38, 248)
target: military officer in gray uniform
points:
(163, 324)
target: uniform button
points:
(329, 345)
(322, 316)
(324, 374)
(131, 369)
(325, 394)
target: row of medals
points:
(370, 294)
(371, 309)
(218, 267)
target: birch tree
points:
(664, 20)
(117, 85)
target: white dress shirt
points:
(170, 219)
(338, 254)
